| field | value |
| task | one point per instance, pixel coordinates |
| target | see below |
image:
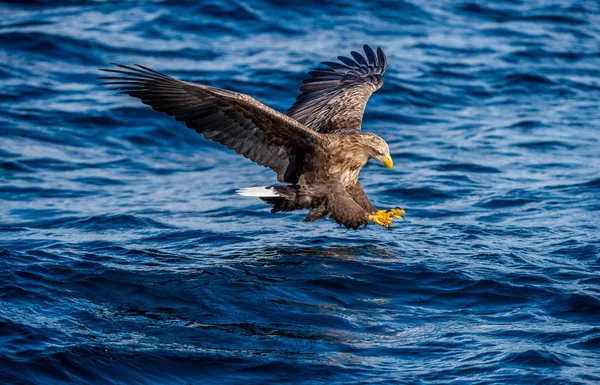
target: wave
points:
(126, 256)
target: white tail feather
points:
(259, 192)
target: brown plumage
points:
(317, 148)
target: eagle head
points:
(377, 148)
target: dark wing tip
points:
(349, 62)
(360, 59)
(370, 55)
(360, 68)
(336, 66)
(381, 59)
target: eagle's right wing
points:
(334, 98)
(237, 121)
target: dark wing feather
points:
(334, 98)
(235, 120)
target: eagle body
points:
(317, 148)
(326, 178)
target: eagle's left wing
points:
(334, 98)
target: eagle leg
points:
(385, 217)
(316, 213)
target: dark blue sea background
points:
(127, 258)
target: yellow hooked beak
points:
(386, 160)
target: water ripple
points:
(125, 256)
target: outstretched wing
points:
(235, 120)
(334, 98)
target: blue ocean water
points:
(126, 257)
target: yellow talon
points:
(384, 218)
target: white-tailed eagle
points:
(317, 149)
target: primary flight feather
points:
(317, 148)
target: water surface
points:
(126, 257)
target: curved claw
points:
(384, 218)
(378, 220)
